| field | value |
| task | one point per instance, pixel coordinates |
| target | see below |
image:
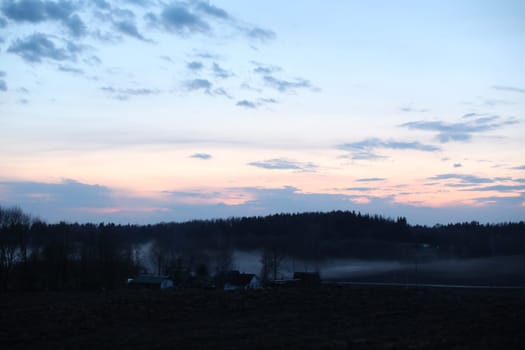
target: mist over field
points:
(339, 246)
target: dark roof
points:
(148, 279)
(241, 279)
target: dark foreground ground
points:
(326, 317)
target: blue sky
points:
(145, 111)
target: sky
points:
(141, 111)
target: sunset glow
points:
(149, 111)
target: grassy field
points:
(326, 317)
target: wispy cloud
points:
(142, 3)
(195, 65)
(463, 178)
(509, 88)
(256, 104)
(284, 164)
(3, 84)
(203, 156)
(76, 26)
(472, 115)
(198, 84)
(220, 72)
(123, 94)
(264, 69)
(260, 34)
(178, 18)
(129, 28)
(360, 189)
(212, 10)
(498, 188)
(370, 179)
(70, 69)
(246, 103)
(36, 11)
(409, 109)
(205, 86)
(206, 55)
(166, 58)
(365, 149)
(462, 131)
(92, 60)
(39, 46)
(101, 4)
(221, 92)
(287, 85)
(65, 193)
(497, 102)
(199, 17)
(73, 200)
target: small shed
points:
(242, 281)
(151, 282)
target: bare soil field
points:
(326, 317)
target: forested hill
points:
(309, 236)
(329, 234)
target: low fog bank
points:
(491, 271)
(339, 245)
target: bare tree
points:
(224, 259)
(158, 256)
(13, 243)
(271, 261)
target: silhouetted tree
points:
(14, 225)
(271, 261)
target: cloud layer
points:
(461, 131)
(72, 200)
(365, 149)
(284, 164)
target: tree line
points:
(35, 255)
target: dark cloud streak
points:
(284, 164)
(213, 11)
(260, 34)
(460, 131)
(194, 65)
(129, 28)
(509, 88)
(371, 179)
(467, 179)
(36, 11)
(203, 156)
(256, 104)
(124, 94)
(69, 69)
(246, 103)
(365, 149)
(286, 85)
(38, 46)
(177, 18)
(220, 72)
(198, 84)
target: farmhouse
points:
(151, 282)
(242, 281)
